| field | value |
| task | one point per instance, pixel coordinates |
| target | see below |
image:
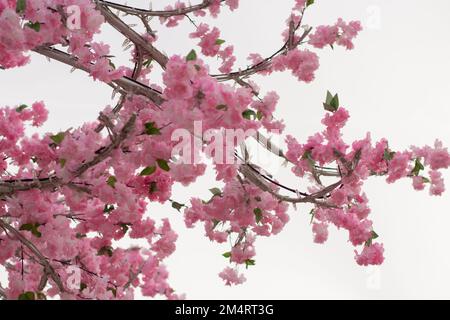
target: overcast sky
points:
(395, 85)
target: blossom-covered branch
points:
(68, 197)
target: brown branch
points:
(48, 269)
(7, 188)
(264, 64)
(258, 180)
(127, 84)
(132, 35)
(155, 13)
(2, 293)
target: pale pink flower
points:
(231, 276)
(370, 255)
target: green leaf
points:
(308, 156)
(124, 226)
(248, 114)
(105, 251)
(309, 2)
(426, 180)
(312, 213)
(111, 181)
(21, 107)
(41, 296)
(192, 55)
(36, 26)
(331, 102)
(373, 236)
(258, 214)
(153, 187)
(151, 129)
(148, 171)
(163, 164)
(249, 262)
(62, 162)
(215, 223)
(227, 254)
(259, 115)
(21, 5)
(33, 228)
(113, 290)
(417, 167)
(58, 138)
(220, 41)
(329, 97)
(147, 63)
(177, 205)
(222, 107)
(388, 155)
(200, 95)
(29, 295)
(216, 191)
(83, 286)
(108, 208)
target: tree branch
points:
(264, 64)
(127, 84)
(9, 187)
(2, 293)
(155, 13)
(132, 35)
(48, 269)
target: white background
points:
(395, 84)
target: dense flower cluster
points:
(70, 197)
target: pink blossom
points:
(418, 183)
(370, 255)
(348, 32)
(320, 231)
(40, 114)
(299, 4)
(341, 33)
(103, 71)
(324, 36)
(231, 277)
(398, 166)
(208, 41)
(437, 183)
(233, 4)
(303, 64)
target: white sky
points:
(395, 84)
